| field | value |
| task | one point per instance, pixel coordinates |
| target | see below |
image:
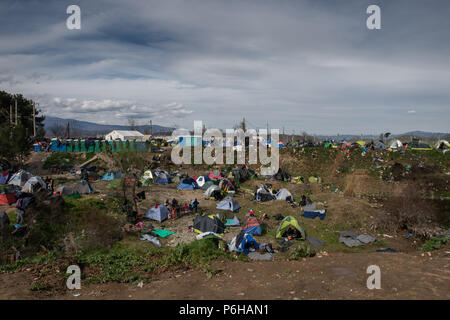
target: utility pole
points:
(34, 120)
(15, 103)
(151, 128)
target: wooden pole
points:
(34, 120)
(15, 103)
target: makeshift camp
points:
(65, 190)
(158, 213)
(314, 179)
(226, 185)
(233, 222)
(215, 175)
(147, 175)
(284, 194)
(188, 184)
(244, 243)
(442, 144)
(108, 176)
(282, 175)
(20, 178)
(380, 146)
(264, 194)
(395, 144)
(4, 177)
(210, 190)
(7, 196)
(229, 203)
(352, 239)
(289, 227)
(253, 226)
(163, 178)
(206, 185)
(83, 188)
(208, 223)
(33, 184)
(202, 180)
(298, 180)
(315, 213)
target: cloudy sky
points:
(305, 65)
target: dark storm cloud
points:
(305, 65)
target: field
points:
(400, 198)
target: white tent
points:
(33, 184)
(124, 135)
(283, 194)
(148, 175)
(20, 178)
(396, 144)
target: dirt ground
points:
(338, 273)
(335, 276)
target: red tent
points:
(7, 198)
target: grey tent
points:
(264, 194)
(20, 178)
(210, 190)
(158, 213)
(65, 190)
(283, 194)
(380, 146)
(82, 188)
(206, 185)
(229, 203)
(33, 184)
(208, 223)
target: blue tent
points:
(185, 186)
(188, 184)
(242, 243)
(163, 179)
(4, 177)
(108, 176)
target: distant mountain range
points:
(78, 127)
(417, 134)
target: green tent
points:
(290, 222)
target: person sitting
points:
(303, 202)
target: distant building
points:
(124, 135)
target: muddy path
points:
(336, 276)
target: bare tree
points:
(57, 130)
(132, 123)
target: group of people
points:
(177, 210)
